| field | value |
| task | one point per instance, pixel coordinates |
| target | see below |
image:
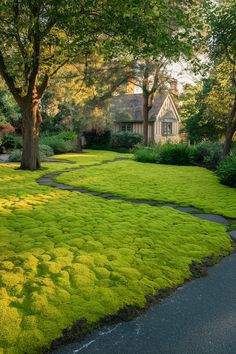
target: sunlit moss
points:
(184, 185)
(67, 256)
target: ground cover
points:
(184, 185)
(67, 256)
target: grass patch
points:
(67, 256)
(184, 185)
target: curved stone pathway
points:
(198, 318)
(48, 180)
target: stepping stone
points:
(62, 186)
(188, 209)
(106, 195)
(171, 205)
(232, 234)
(214, 218)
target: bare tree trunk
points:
(145, 118)
(31, 124)
(230, 130)
(79, 143)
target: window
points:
(126, 127)
(166, 128)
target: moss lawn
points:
(66, 256)
(184, 185)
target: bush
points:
(146, 154)
(15, 155)
(206, 154)
(174, 154)
(46, 150)
(67, 135)
(18, 142)
(58, 144)
(226, 171)
(8, 141)
(125, 139)
(93, 138)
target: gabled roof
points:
(129, 107)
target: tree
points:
(204, 110)
(169, 38)
(9, 111)
(222, 43)
(38, 37)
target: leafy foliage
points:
(146, 154)
(46, 150)
(125, 139)
(60, 143)
(94, 137)
(15, 155)
(206, 154)
(174, 154)
(226, 170)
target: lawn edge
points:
(81, 328)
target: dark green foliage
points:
(58, 143)
(146, 154)
(67, 135)
(18, 142)
(94, 138)
(226, 170)
(46, 150)
(125, 139)
(8, 141)
(174, 154)
(15, 155)
(207, 154)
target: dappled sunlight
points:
(27, 201)
(68, 256)
(184, 185)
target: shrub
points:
(125, 139)
(93, 138)
(15, 155)
(58, 145)
(8, 141)
(174, 154)
(226, 170)
(18, 142)
(207, 154)
(46, 150)
(146, 154)
(67, 135)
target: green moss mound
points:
(184, 185)
(67, 256)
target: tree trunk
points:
(31, 123)
(79, 143)
(230, 130)
(145, 118)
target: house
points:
(164, 119)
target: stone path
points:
(198, 318)
(48, 180)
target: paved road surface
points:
(199, 318)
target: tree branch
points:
(9, 81)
